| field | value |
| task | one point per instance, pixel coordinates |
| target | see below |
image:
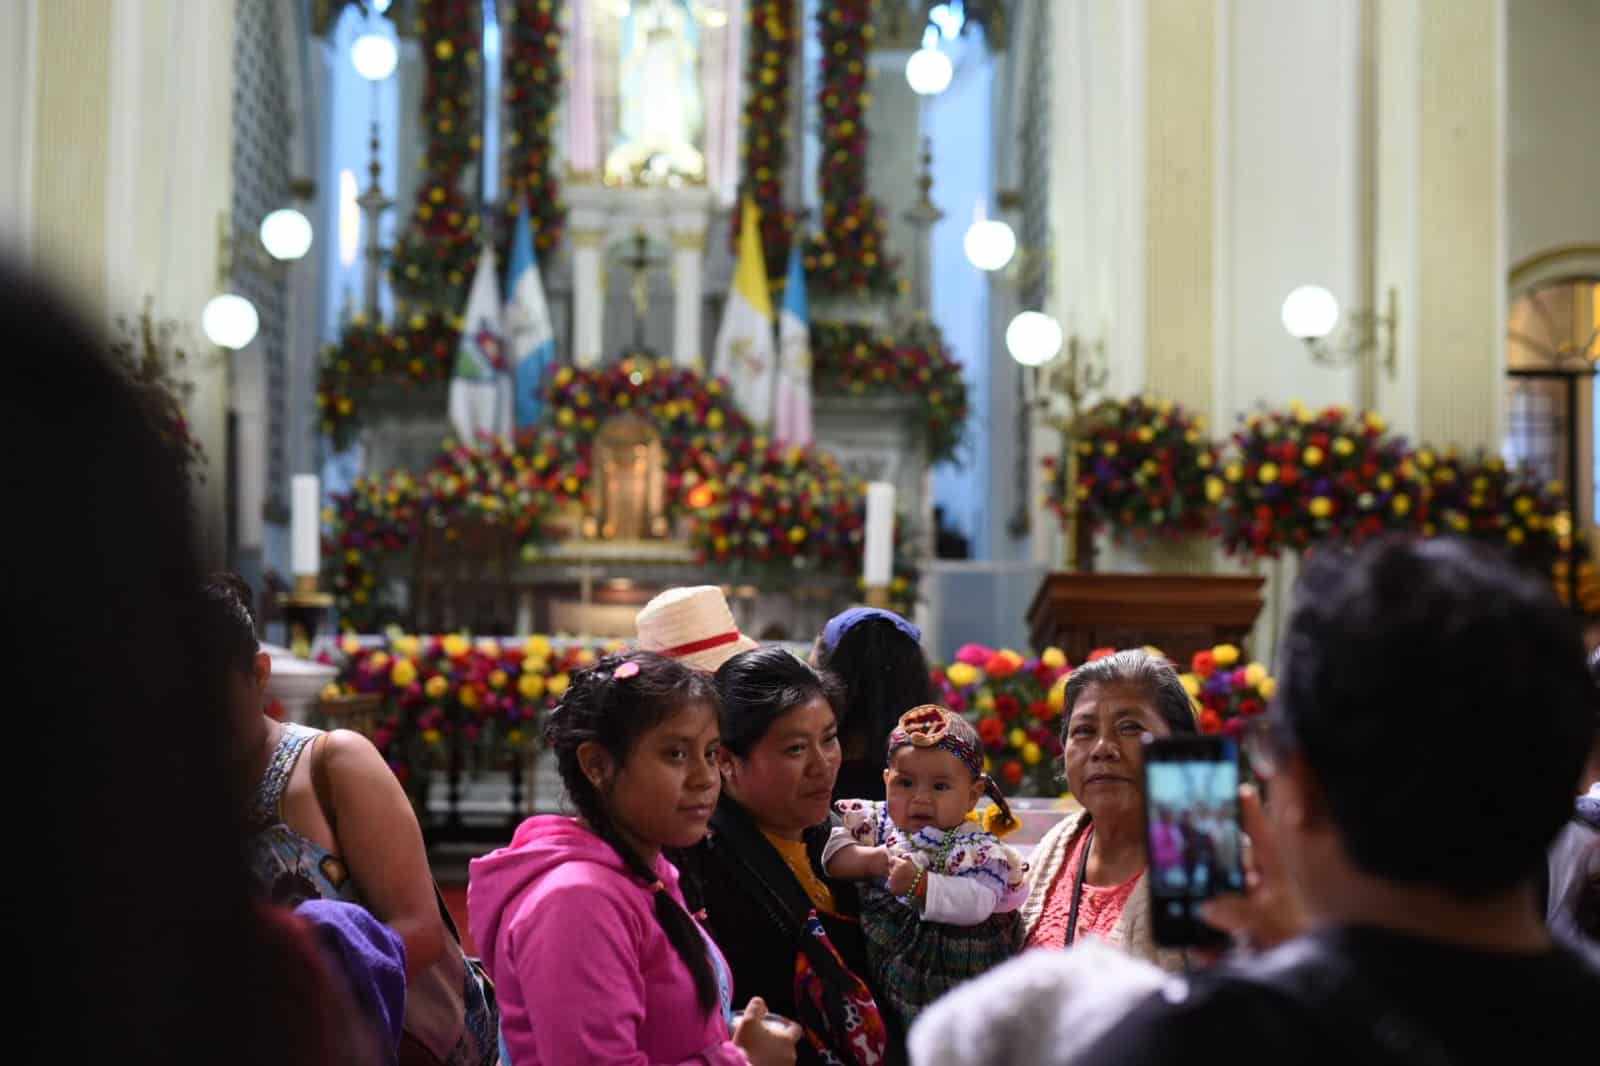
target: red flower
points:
(1007, 707)
(1101, 653)
(1210, 722)
(992, 732)
(1204, 663)
(1250, 707)
(1012, 772)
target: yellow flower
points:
(1385, 482)
(1523, 505)
(1312, 456)
(531, 686)
(1058, 695)
(498, 679)
(1145, 434)
(535, 665)
(1515, 535)
(330, 691)
(962, 674)
(537, 647)
(988, 764)
(985, 701)
(1402, 505)
(557, 685)
(470, 697)
(1375, 422)
(1191, 683)
(1303, 414)
(436, 687)
(1215, 489)
(1017, 738)
(1268, 473)
(514, 737)
(1054, 658)
(407, 646)
(1343, 446)
(378, 662)
(351, 646)
(1109, 447)
(584, 657)
(455, 645)
(1425, 459)
(431, 737)
(403, 673)
(1225, 654)
(489, 647)
(1254, 674)
(1031, 753)
(1233, 472)
(1321, 507)
(1268, 688)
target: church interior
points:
(1054, 325)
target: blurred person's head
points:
(118, 745)
(1110, 706)
(877, 655)
(246, 668)
(1433, 710)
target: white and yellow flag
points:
(746, 353)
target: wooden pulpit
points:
(1178, 613)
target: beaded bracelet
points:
(916, 882)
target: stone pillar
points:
(1440, 215)
(588, 294)
(688, 288)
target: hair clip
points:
(699, 915)
(657, 887)
(625, 671)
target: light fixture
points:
(286, 234)
(230, 321)
(989, 242)
(374, 56)
(1311, 312)
(1033, 338)
(929, 70)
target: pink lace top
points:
(1098, 913)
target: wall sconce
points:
(229, 319)
(1311, 313)
(929, 70)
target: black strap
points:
(1077, 888)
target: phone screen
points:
(1192, 832)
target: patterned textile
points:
(1099, 912)
(913, 961)
(834, 1008)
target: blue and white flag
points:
(791, 419)
(480, 393)
(530, 340)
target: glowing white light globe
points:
(1033, 338)
(929, 71)
(286, 234)
(374, 56)
(989, 244)
(1309, 312)
(230, 321)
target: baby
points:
(940, 903)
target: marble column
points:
(1441, 215)
(688, 289)
(588, 295)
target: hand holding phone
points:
(1192, 833)
(1271, 911)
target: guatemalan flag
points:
(530, 341)
(480, 394)
(791, 421)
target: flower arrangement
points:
(434, 691)
(419, 353)
(1142, 467)
(1227, 691)
(847, 254)
(1481, 498)
(851, 359)
(1015, 704)
(432, 260)
(533, 103)
(764, 148)
(147, 352)
(1296, 477)
(378, 517)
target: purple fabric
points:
(842, 623)
(372, 958)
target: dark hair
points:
(1137, 667)
(885, 674)
(1398, 664)
(615, 714)
(759, 686)
(228, 610)
(119, 682)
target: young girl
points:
(941, 905)
(580, 920)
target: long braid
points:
(585, 714)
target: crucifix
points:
(639, 263)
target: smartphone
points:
(1191, 789)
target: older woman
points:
(790, 934)
(1088, 873)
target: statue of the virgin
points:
(662, 117)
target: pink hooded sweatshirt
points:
(582, 969)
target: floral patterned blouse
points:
(967, 851)
(1099, 911)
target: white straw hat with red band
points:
(692, 625)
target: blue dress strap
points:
(265, 809)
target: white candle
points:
(877, 562)
(305, 513)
